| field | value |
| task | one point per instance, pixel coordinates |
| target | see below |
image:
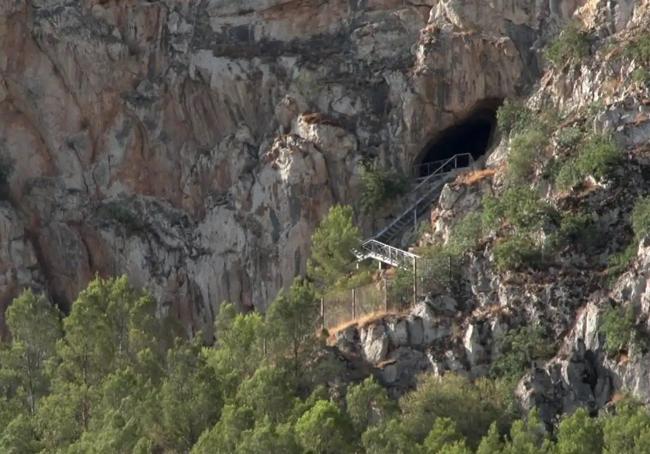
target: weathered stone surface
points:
(397, 332)
(374, 342)
(243, 122)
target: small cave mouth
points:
(474, 135)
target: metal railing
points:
(388, 254)
(424, 190)
(424, 193)
(427, 168)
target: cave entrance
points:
(473, 135)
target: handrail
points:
(436, 173)
(393, 249)
(428, 166)
(391, 255)
(454, 158)
(387, 253)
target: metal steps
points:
(425, 193)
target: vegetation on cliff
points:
(113, 377)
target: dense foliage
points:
(514, 116)
(379, 186)
(572, 45)
(332, 261)
(597, 158)
(113, 377)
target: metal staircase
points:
(423, 195)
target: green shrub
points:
(641, 76)
(525, 149)
(568, 175)
(379, 186)
(570, 46)
(514, 116)
(617, 324)
(400, 288)
(569, 138)
(519, 348)
(440, 269)
(467, 233)
(619, 262)
(332, 262)
(579, 230)
(120, 212)
(639, 48)
(641, 218)
(473, 404)
(519, 206)
(597, 158)
(516, 253)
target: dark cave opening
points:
(474, 135)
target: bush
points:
(639, 48)
(619, 262)
(473, 405)
(368, 404)
(513, 116)
(520, 347)
(120, 212)
(580, 433)
(598, 158)
(440, 270)
(324, 429)
(570, 46)
(579, 230)
(517, 252)
(379, 186)
(617, 324)
(519, 206)
(332, 261)
(641, 76)
(466, 233)
(569, 138)
(641, 218)
(525, 149)
(568, 175)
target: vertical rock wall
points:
(195, 145)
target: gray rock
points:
(374, 342)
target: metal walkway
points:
(424, 194)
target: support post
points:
(322, 312)
(385, 293)
(415, 281)
(415, 219)
(354, 304)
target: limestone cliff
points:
(601, 95)
(195, 145)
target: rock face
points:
(398, 346)
(569, 294)
(195, 145)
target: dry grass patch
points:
(360, 322)
(475, 176)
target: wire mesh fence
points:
(394, 290)
(343, 306)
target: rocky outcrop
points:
(569, 293)
(195, 145)
(583, 374)
(399, 346)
